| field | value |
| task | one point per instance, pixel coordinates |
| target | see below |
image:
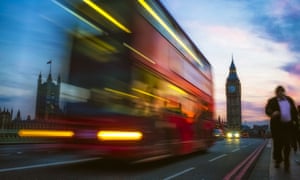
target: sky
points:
(261, 36)
(28, 41)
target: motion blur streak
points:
(149, 94)
(139, 53)
(76, 15)
(119, 135)
(177, 89)
(161, 22)
(107, 16)
(120, 93)
(44, 133)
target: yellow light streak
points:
(103, 44)
(106, 15)
(120, 92)
(167, 28)
(119, 135)
(139, 53)
(177, 89)
(44, 133)
(149, 94)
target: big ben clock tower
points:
(233, 98)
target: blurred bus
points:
(132, 84)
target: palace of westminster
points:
(47, 107)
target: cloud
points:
(279, 20)
(293, 90)
(253, 111)
(292, 68)
(6, 91)
(220, 107)
(5, 99)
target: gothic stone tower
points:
(233, 98)
(47, 98)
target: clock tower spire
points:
(233, 99)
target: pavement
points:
(264, 168)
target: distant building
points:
(5, 117)
(47, 98)
(233, 98)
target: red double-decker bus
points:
(135, 86)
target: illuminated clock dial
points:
(231, 89)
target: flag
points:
(49, 62)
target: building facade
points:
(47, 98)
(233, 99)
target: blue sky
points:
(262, 36)
(28, 41)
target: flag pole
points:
(50, 62)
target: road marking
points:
(178, 174)
(218, 157)
(48, 164)
(240, 170)
(152, 158)
(237, 149)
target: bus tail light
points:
(104, 135)
(45, 133)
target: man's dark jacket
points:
(275, 122)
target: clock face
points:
(231, 88)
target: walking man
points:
(283, 114)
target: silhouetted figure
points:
(296, 144)
(283, 114)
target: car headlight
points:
(237, 135)
(229, 135)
